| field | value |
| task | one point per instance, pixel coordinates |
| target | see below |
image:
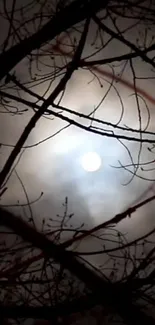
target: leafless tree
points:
(43, 275)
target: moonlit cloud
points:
(55, 168)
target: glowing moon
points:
(91, 162)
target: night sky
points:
(54, 166)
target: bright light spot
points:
(91, 161)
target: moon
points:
(91, 162)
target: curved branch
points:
(66, 18)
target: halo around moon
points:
(91, 161)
